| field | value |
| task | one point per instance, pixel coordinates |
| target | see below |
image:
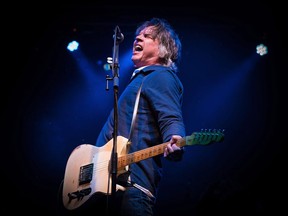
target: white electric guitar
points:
(88, 167)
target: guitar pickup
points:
(79, 194)
(86, 174)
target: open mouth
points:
(138, 48)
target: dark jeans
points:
(135, 203)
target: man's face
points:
(145, 49)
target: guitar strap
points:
(133, 117)
(135, 107)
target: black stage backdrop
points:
(55, 100)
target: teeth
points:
(138, 48)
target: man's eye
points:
(148, 36)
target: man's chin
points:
(136, 61)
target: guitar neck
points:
(145, 153)
(203, 138)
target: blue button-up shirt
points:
(159, 116)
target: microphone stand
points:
(118, 38)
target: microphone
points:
(119, 35)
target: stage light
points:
(72, 46)
(261, 49)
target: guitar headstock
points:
(205, 136)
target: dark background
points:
(54, 102)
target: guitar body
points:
(87, 172)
